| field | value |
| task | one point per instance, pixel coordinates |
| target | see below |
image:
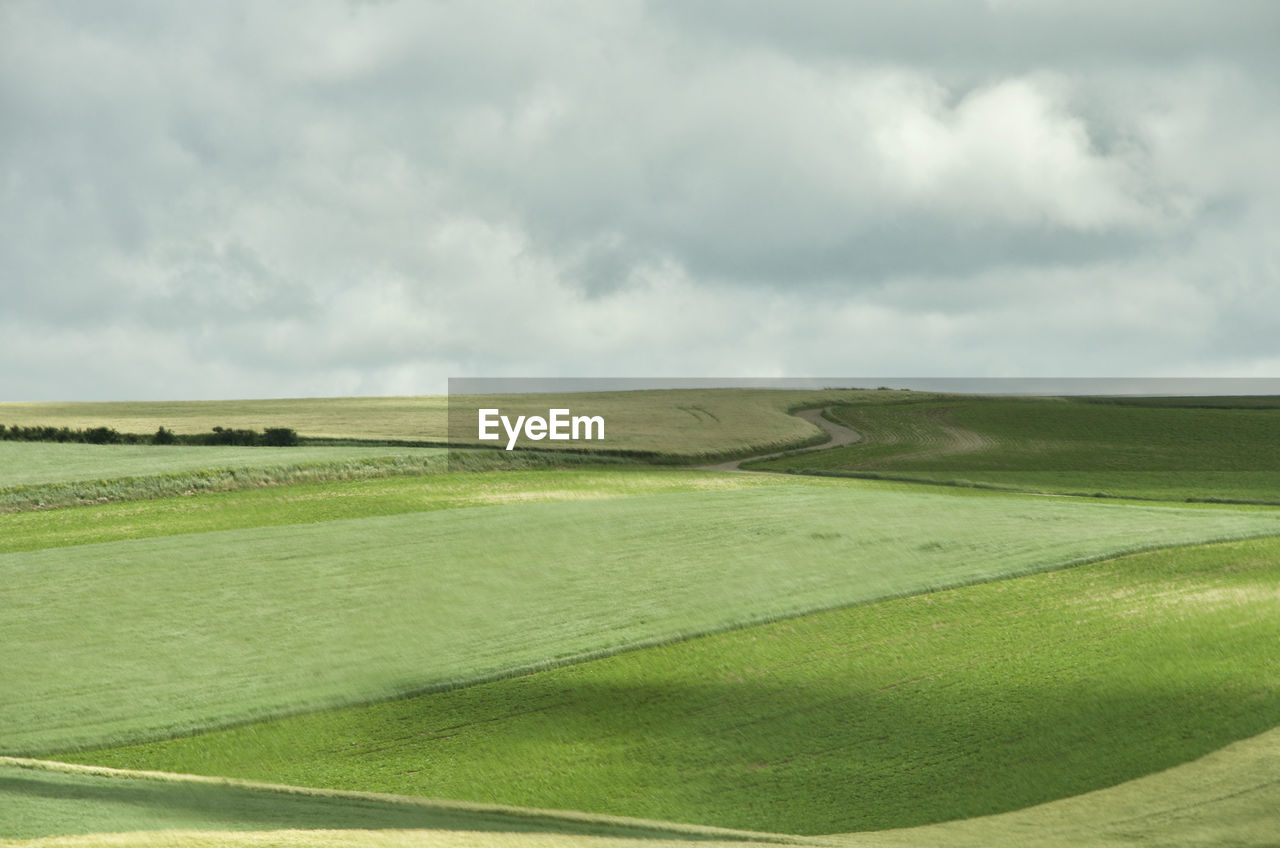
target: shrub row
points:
(271, 437)
(91, 435)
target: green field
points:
(1063, 445)
(371, 607)
(1120, 669)
(327, 500)
(61, 475)
(43, 798)
(33, 463)
(879, 661)
(1228, 797)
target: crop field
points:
(1073, 446)
(1122, 668)
(566, 649)
(27, 463)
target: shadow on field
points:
(811, 758)
(35, 803)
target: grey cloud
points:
(980, 38)
(400, 189)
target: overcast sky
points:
(258, 199)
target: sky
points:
(257, 198)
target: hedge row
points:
(271, 437)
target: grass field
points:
(328, 500)
(32, 463)
(46, 798)
(890, 715)
(135, 472)
(789, 654)
(1064, 445)
(1228, 797)
(389, 604)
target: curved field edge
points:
(929, 708)
(44, 797)
(1228, 797)
(376, 607)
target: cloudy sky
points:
(260, 198)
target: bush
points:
(280, 437)
(228, 436)
(163, 437)
(100, 436)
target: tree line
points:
(270, 437)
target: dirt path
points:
(840, 436)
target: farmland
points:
(1151, 450)
(668, 652)
(1122, 668)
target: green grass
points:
(232, 625)
(330, 500)
(140, 620)
(1063, 445)
(30, 463)
(1228, 797)
(159, 472)
(41, 799)
(952, 705)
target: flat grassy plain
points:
(944, 706)
(1064, 445)
(231, 625)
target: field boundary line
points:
(503, 810)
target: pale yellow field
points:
(687, 422)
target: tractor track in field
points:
(840, 436)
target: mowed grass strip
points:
(151, 637)
(166, 471)
(936, 707)
(41, 798)
(1063, 445)
(332, 500)
(31, 463)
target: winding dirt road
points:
(840, 436)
